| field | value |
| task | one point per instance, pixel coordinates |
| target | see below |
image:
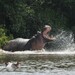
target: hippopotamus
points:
(37, 42)
(15, 44)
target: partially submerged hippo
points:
(37, 42)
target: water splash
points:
(64, 41)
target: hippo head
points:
(45, 32)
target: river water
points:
(59, 59)
(58, 63)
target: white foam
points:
(40, 52)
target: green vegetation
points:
(23, 18)
(3, 37)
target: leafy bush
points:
(3, 38)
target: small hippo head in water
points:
(12, 66)
(37, 42)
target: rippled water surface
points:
(52, 66)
